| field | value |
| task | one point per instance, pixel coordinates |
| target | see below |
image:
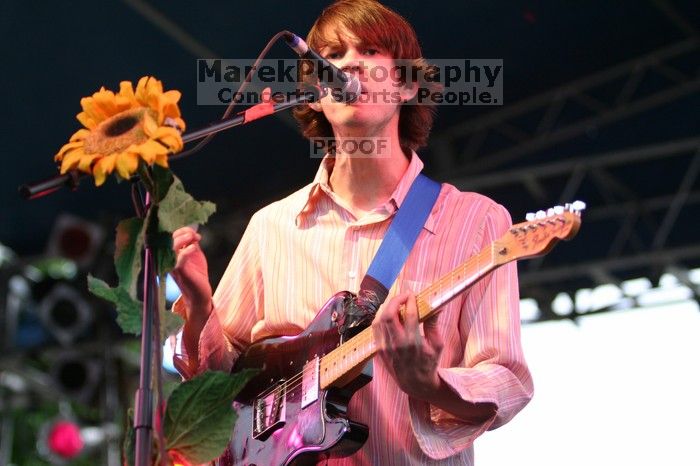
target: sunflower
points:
(124, 128)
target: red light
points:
(178, 459)
(64, 439)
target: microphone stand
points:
(143, 413)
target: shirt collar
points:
(320, 187)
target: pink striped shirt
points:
(297, 252)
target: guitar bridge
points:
(270, 411)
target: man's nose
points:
(351, 62)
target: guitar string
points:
(287, 385)
(463, 269)
(292, 384)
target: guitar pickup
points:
(309, 382)
(269, 411)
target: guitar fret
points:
(362, 346)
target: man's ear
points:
(408, 91)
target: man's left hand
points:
(410, 358)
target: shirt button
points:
(352, 274)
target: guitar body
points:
(276, 424)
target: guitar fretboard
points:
(362, 346)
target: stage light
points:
(562, 305)
(605, 296)
(636, 286)
(75, 239)
(76, 375)
(529, 310)
(63, 439)
(65, 313)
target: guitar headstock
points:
(538, 235)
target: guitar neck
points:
(351, 355)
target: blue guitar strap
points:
(396, 245)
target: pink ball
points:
(64, 439)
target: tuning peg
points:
(550, 212)
(540, 214)
(558, 209)
(530, 216)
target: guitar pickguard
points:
(283, 415)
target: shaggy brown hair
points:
(372, 23)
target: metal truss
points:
(489, 142)
(642, 241)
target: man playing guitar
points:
(436, 386)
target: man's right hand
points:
(191, 274)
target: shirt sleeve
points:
(238, 304)
(493, 369)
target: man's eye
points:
(371, 52)
(333, 55)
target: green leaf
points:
(162, 179)
(199, 418)
(128, 309)
(178, 209)
(127, 256)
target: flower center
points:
(121, 126)
(117, 133)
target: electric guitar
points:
(294, 411)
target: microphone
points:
(345, 87)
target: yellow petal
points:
(102, 168)
(126, 90)
(141, 88)
(162, 160)
(92, 110)
(169, 137)
(71, 160)
(100, 175)
(79, 135)
(105, 103)
(86, 162)
(171, 97)
(67, 148)
(149, 150)
(125, 99)
(127, 163)
(147, 91)
(86, 120)
(150, 127)
(167, 104)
